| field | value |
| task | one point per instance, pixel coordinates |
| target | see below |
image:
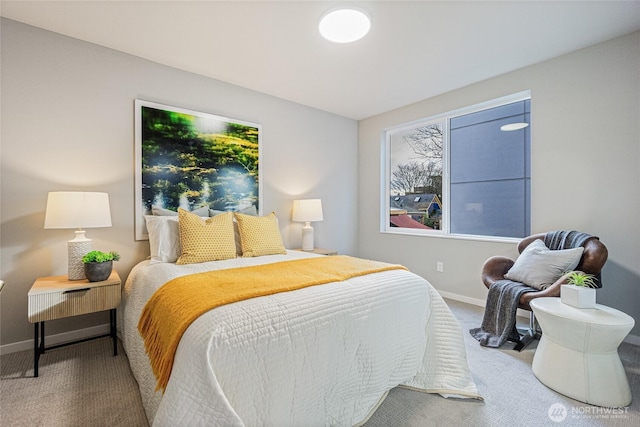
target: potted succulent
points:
(98, 265)
(580, 290)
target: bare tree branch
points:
(426, 141)
(407, 178)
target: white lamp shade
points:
(77, 209)
(307, 210)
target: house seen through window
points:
(466, 172)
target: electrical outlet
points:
(439, 266)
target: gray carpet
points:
(84, 385)
(79, 385)
(513, 396)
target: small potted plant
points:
(580, 290)
(98, 265)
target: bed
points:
(321, 355)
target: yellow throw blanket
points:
(180, 301)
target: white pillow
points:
(539, 267)
(164, 238)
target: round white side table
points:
(578, 352)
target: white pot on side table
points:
(578, 352)
(578, 296)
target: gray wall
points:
(68, 124)
(585, 148)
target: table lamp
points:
(307, 211)
(76, 209)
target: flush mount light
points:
(344, 25)
(513, 126)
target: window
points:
(466, 172)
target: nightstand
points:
(57, 297)
(320, 251)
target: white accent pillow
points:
(539, 267)
(164, 238)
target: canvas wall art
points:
(193, 160)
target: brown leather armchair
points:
(593, 259)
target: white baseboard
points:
(462, 298)
(50, 340)
(630, 339)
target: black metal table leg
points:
(113, 325)
(41, 337)
(36, 348)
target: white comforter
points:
(323, 355)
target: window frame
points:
(445, 119)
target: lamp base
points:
(78, 247)
(307, 237)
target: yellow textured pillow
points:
(205, 240)
(259, 235)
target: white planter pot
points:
(578, 296)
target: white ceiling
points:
(415, 49)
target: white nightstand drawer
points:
(55, 297)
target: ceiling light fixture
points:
(344, 25)
(513, 126)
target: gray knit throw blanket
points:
(499, 322)
(557, 240)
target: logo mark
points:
(557, 412)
